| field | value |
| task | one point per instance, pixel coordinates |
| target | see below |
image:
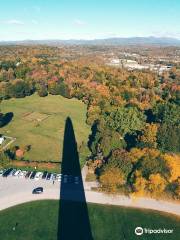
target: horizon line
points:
(92, 39)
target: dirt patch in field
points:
(35, 116)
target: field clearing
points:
(38, 220)
(40, 122)
(35, 116)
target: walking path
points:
(12, 140)
(15, 191)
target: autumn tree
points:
(173, 163)
(42, 90)
(148, 136)
(152, 163)
(112, 179)
(156, 184)
(140, 185)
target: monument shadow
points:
(73, 218)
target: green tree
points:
(21, 72)
(120, 159)
(59, 89)
(20, 89)
(168, 113)
(149, 164)
(168, 138)
(111, 140)
(42, 91)
(125, 120)
(4, 159)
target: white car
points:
(1, 172)
(23, 173)
(20, 174)
(13, 172)
(58, 177)
(52, 177)
(38, 175)
(17, 173)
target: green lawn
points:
(38, 220)
(47, 138)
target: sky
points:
(88, 19)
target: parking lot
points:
(18, 186)
(37, 175)
(15, 190)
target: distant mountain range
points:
(108, 41)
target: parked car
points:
(7, 172)
(33, 175)
(17, 173)
(68, 177)
(58, 177)
(54, 176)
(37, 190)
(65, 178)
(1, 172)
(48, 176)
(44, 175)
(38, 175)
(12, 172)
(76, 180)
(21, 174)
(28, 174)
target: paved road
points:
(14, 191)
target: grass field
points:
(40, 122)
(38, 220)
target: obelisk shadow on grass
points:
(73, 222)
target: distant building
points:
(115, 61)
(132, 64)
(164, 69)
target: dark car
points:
(48, 176)
(7, 172)
(37, 190)
(28, 174)
(33, 175)
(44, 175)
